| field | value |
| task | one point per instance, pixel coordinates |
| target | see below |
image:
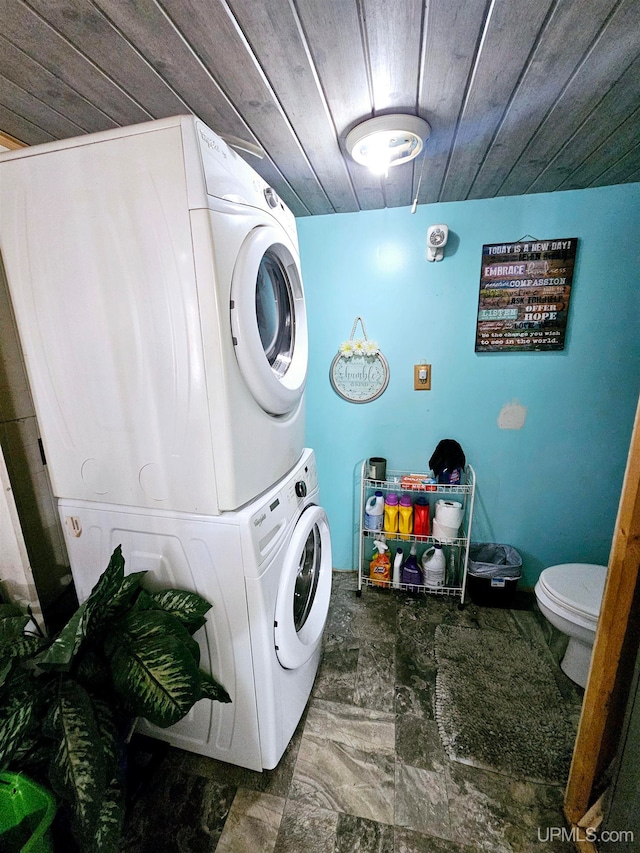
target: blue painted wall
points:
(550, 489)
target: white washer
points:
(266, 570)
(156, 284)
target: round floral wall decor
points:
(359, 372)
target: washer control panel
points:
(281, 505)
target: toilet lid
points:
(577, 586)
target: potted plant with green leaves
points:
(66, 701)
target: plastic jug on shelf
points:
(391, 513)
(397, 569)
(433, 566)
(374, 512)
(421, 517)
(405, 516)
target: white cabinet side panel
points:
(201, 556)
(97, 244)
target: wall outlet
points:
(422, 377)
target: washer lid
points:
(577, 586)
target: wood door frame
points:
(11, 142)
(614, 652)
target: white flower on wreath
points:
(360, 346)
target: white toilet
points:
(569, 595)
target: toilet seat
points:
(575, 587)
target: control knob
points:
(271, 196)
(301, 489)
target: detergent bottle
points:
(421, 517)
(405, 516)
(411, 574)
(380, 565)
(397, 568)
(374, 512)
(433, 566)
(391, 513)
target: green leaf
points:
(144, 601)
(33, 754)
(104, 612)
(23, 647)
(111, 815)
(110, 580)
(181, 633)
(10, 610)
(153, 668)
(151, 617)
(28, 645)
(5, 668)
(61, 652)
(12, 626)
(212, 689)
(93, 672)
(188, 607)
(114, 593)
(110, 821)
(108, 585)
(77, 768)
(108, 729)
(17, 713)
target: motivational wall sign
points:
(524, 295)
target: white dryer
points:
(266, 570)
(156, 284)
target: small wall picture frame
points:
(359, 372)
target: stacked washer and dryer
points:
(156, 286)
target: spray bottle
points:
(380, 565)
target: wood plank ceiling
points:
(522, 96)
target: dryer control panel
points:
(228, 176)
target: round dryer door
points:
(305, 587)
(269, 321)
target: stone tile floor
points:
(365, 770)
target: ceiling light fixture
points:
(385, 141)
